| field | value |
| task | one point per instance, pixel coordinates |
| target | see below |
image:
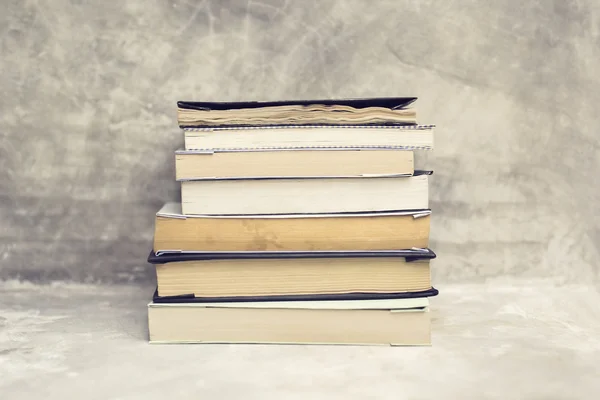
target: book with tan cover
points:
(313, 232)
(191, 164)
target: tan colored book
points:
(314, 232)
(292, 164)
(196, 323)
(234, 277)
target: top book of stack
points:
(389, 111)
(378, 123)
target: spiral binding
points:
(225, 128)
(259, 148)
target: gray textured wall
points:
(88, 129)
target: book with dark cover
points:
(190, 298)
(366, 111)
(176, 257)
(383, 102)
(168, 257)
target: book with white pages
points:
(305, 196)
(404, 137)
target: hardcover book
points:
(301, 112)
(263, 274)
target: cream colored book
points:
(196, 323)
(302, 196)
(367, 304)
(408, 137)
(190, 164)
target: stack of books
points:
(299, 222)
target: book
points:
(305, 196)
(310, 137)
(368, 303)
(296, 298)
(190, 164)
(243, 275)
(240, 323)
(290, 232)
(334, 112)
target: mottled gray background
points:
(88, 122)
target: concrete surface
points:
(88, 129)
(495, 341)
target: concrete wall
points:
(88, 128)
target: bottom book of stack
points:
(352, 297)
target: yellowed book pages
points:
(299, 164)
(296, 114)
(321, 232)
(292, 276)
(189, 324)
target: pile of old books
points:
(299, 222)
